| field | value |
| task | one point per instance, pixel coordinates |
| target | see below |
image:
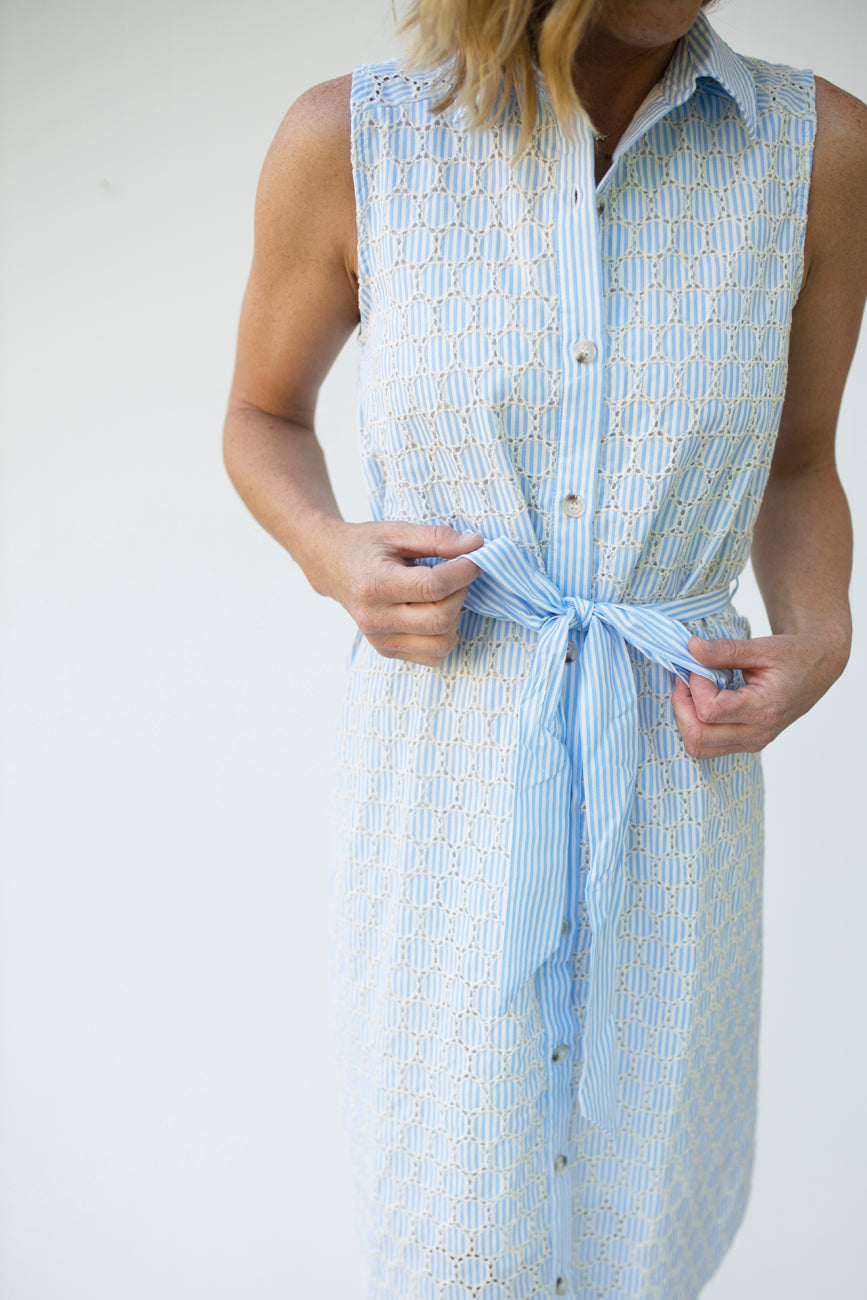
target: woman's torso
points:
(595, 370)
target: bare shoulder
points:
(308, 169)
(316, 127)
(841, 131)
(838, 184)
(838, 110)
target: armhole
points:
(806, 139)
(360, 94)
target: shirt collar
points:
(702, 53)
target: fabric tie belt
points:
(509, 587)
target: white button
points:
(571, 651)
(560, 1164)
(561, 1286)
(574, 506)
(600, 206)
(560, 1052)
(586, 350)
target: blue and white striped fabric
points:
(608, 727)
(546, 917)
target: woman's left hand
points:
(784, 676)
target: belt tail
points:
(608, 723)
(607, 708)
(540, 821)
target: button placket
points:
(570, 567)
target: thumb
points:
(723, 652)
(422, 540)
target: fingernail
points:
(468, 536)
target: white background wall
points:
(170, 1119)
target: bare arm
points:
(802, 543)
(299, 308)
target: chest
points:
(684, 252)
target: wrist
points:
(833, 635)
(319, 558)
(839, 646)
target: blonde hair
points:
(482, 52)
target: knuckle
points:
(692, 741)
(704, 710)
(367, 588)
(441, 646)
(428, 582)
(366, 623)
(442, 534)
(771, 714)
(441, 623)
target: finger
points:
(730, 652)
(429, 584)
(389, 582)
(745, 740)
(683, 707)
(420, 659)
(742, 705)
(423, 540)
(421, 618)
(712, 740)
(429, 649)
(753, 743)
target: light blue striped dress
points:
(546, 926)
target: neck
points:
(613, 79)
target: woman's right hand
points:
(405, 610)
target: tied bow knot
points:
(510, 587)
(581, 611)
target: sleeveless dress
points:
(546, 918)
